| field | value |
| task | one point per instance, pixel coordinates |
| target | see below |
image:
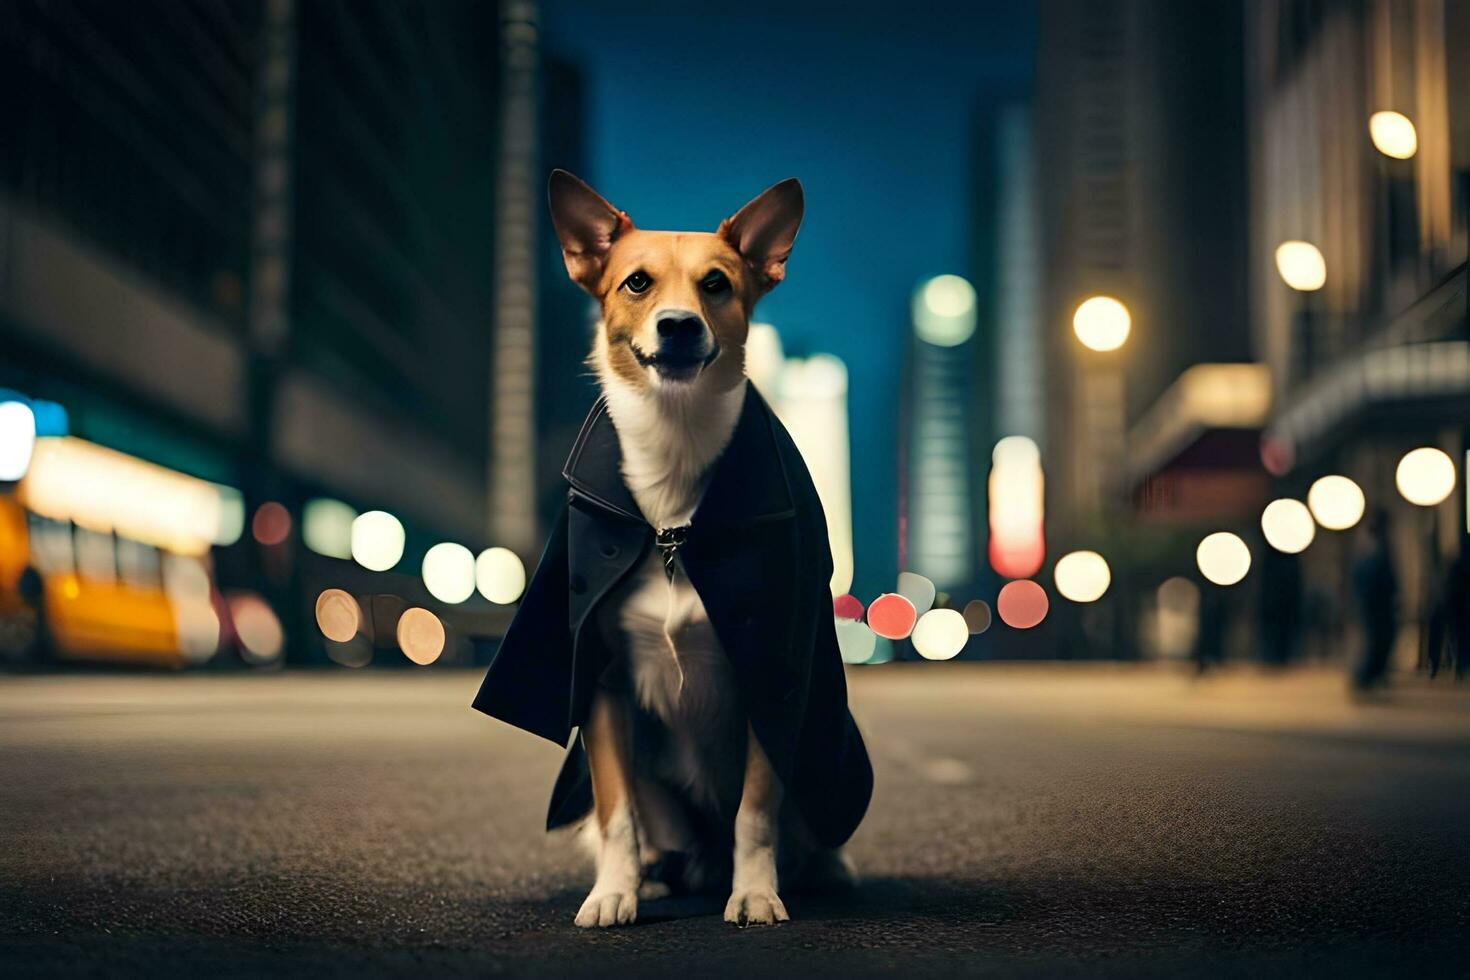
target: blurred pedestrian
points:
(1449, 631)
(1281, 607)
(1214, 621)
(1375, 586)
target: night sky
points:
(692, 109)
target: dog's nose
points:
(680, 329)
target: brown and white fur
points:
(669, 354)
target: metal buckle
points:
(668, 540)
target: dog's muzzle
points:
(685, 347)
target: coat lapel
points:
(594, 468)
(748, 484)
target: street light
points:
(1288, 525)
(449, 572)
(940, 634)
(1223, 558)
(944, 311)
(1425, 476)
(1393, 134)
(1082, 576)
(1102, 323)
(500, 576)
(1301, 265)
(377, 540)
(1336, 502)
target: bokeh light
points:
(377, 540)
(449, 572)
(1017, 504)
(916, 589)
(185, 578)
(892, 616)
(1336, 502)
(17, 439)
(1288, 525)
(1301, 266)
(812, 404)
(197, 629)
(500, 576)
(1022, 604)
(847, 606)
(1425, 476)
(944, 311)
(1102, 323)
(258, 629)
(271, 524)
(326, 527)
(1223, 558)
(940, 634)
(420, 636)
(1393, 134)
(1082, 576)
(977, 616)
(1176, 617)
(338, 615)
(855, 641)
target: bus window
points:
(138, 563)
(51, 546)
(96, 556)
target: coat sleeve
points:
(529, 683)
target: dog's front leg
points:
(753, 898)
(614, 896)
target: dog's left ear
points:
(765, 229)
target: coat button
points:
(577, 584)
(610, 550)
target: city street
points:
(1028, 821)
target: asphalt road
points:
(1027, 822)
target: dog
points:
(679, 729)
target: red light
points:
(892, 616)
(847, 607)
(271, 524)
(1277, 456)
(1022, 604)
(1017, 558)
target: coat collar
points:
(748, 483)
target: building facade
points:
(1360, 149)
(256, 242)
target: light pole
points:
(1102, 324)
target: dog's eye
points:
(638, 282)
(714, 283)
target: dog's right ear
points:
(586, 224)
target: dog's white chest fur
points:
(679, 671)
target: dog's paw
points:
(755, 907)
(608, 907)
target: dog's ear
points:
(586, 225)
(765, 229)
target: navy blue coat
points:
(757, 554)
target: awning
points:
(1194, 455)
(1372, 381)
